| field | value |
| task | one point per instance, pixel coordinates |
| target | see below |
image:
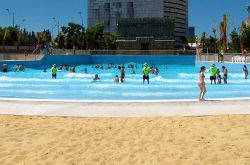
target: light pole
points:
(19, 34)
(80, 13)
(57, 23)
(52, 31)
(13, 16)
(19, 26)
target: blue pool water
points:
(173, 82)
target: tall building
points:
(191, 32)
(108, 12)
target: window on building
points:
(107, 23)
(96, 12)
(118, 5)
(130, 4)
(107, 5)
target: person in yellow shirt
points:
(221, 55)
(213, 71)
(146, 71)
(54, 71)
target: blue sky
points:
(38, 14)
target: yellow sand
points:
(128, 141)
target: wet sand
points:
(32, 140)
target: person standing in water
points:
(225, 72)
(146, 71)
(54, 70)
(5, 67)
(212, 71)
(218, 76)
(202, 84)
(245, 70)
(122, 73)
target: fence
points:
(123, 52)
(229, 57)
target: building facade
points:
(157, 33)
(108, 12)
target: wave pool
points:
(174, 82)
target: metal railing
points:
(123, 52)
(20, 57)
(34, 57)
(228, 57)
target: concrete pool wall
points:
(49, 60)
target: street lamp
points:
(13, 16)
(80, 13)
(19, 26)
(57, 23)
(52, 31)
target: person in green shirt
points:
(54, 70)
(146, 71)
(213, 71)
(221, 54)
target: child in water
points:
(116, 79)
(218, 76)
(96, 77)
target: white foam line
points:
(122, 101)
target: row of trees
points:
(12, 36)
(72, 36)
(237, 40)
(75, 35)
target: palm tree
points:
(38, 37)
(223, 32)
(215, 37)
(4, 37)
(242, 27)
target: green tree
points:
(234, 45)
(73, 32)
(110, 40)
(95, 37)
(245, 36)
(211, 43)
(45, 37)
(215, 37)
(203, 40)
(38, 37)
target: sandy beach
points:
(32, 140)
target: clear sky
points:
(38, 14)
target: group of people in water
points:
(146, 70)
(16, 68)
(215, 77)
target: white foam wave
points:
(101, 93)
(29, 91)
(145, 94)
(236, 75)
(77, 75)
(186, 75)
(6, 85)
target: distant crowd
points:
(146, 70)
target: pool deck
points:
(124, 109)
